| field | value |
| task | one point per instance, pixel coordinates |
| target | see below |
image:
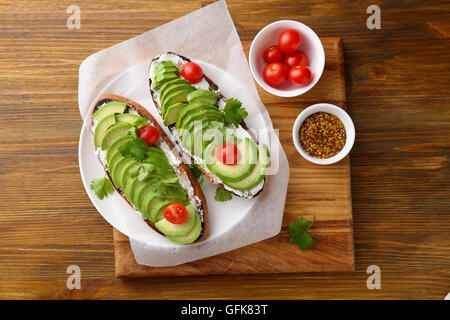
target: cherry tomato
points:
(228, 154)
(289, 41)
(300, 75)
(192, 72)
(175, 213)
(149, 133)
(275, 74)
(273, 54)
(297, 58)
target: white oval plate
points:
(223, 216)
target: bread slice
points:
(212, 87)
(198, 199)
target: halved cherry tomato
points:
(275, 74)
(300, 75)
(175, 213)
(192, 72)
(289, 41)
(149, 133)
(273, 54)
(297, 58)
(228, 154)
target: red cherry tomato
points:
(192, 72)
(275, 74)
(175, 213)
(149, 133)
(300, 75)
(273, 54)
(289, 41)
(297, 58)
(228, 154)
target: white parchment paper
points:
(208, 35)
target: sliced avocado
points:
(198, 143)
(171, 113)
(114, 146)
(258, 172)
(205, 96)
(163, 65)
(178, 96)
(207, 114)
(125, 174)
(142, 189)
(162, 78)
(147, 202)
(232, 173)
(113, 133)
(173, 82)
(189, 109)
(114, 158)
(191, 236)
(117, 170)
(160, 206)
(130, 188)
(171, 229)
(165, 69)
(174, 88)
(108, 109)
(102, 127)
(126, 118)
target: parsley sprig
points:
(299, 233)
(234, 112)
(102, 187)
(222, 195)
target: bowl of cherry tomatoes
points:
(286, 58)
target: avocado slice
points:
(114, 158)
(115, 146)
(173, 82)
(126, 118)
(102, 127)
(171, 229)
(147, 202)
(113, 133)
(162, 78)
(178, 96)
(117, 170)
(258, 172)
(125, 174)
(205, 96)
(191, 236)
(232, 173)
(209, 114)
(164, 65)
(142, 189)
(189, 109)
(174, 88)
(130, 188)
(171, 113)
(165, 69)
(109, 109)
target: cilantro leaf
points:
(102, 187)
(222, 195)
(299, 233)
(197, 172)
(141, 121)
(142, 171)
(135, 148)
(163, 186)
(234, 112)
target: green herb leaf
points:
(102, 187)
(197, 173)
(132, 132)
(234, 113)
(141, 121)
(163, 186)
(299, 233)
(222, 195)
(135, 148)
(142, 171)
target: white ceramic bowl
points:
(268, 36)
(338, 112)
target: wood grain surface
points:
(397, 82)
(322, 192)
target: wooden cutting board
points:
(320, 191)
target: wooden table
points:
(397, 94)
